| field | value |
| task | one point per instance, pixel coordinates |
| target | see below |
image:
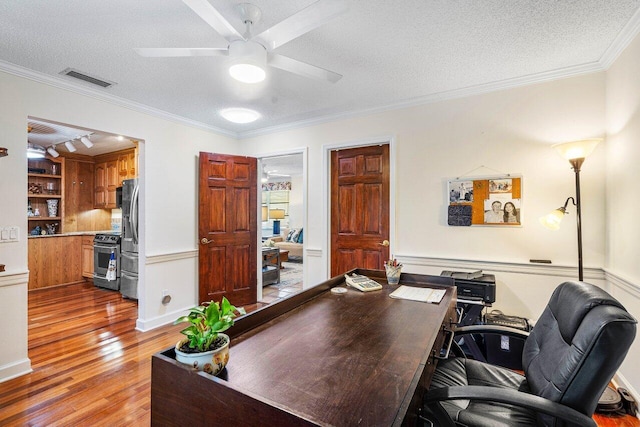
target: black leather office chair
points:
(569, 357)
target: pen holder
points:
(393, 274)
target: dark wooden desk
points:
(316, 358)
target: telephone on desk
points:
(362, 283)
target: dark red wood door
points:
(359, 208)
(227, 226)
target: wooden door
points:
(227, 225)
(359, 208)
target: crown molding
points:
(592, 67)
(622, 40)
(61, 83)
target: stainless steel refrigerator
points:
(129, 243)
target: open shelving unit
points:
(45, 181)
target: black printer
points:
(475, 286)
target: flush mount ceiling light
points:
(86, 141)
(70, 146)
(35, 151)
(52, 151)
(240, 115)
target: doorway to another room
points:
(283, 216)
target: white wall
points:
(623, 177)
(168, 170)
(296, 213)
(508, 131)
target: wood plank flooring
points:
(91, 368)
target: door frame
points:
(326, 188)
(305, 171)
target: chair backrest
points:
(577, 345)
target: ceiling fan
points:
(252, 53)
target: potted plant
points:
(205, 347)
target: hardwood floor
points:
(91, 368)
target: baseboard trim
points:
(15, 370)
(143, 325)
(620, 381)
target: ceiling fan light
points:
(70, 146)
(240, 115)
(52, 152)
(86, 141)
(247, 73)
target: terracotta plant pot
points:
(211, 362)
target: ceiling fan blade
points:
(301, 22)
(161, 52)
(298, 67)
(212, 17)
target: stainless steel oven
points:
(103, 246)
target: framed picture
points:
(491, 201)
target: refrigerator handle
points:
(133, 216)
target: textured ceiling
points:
(390, 53)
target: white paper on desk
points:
(433, 296)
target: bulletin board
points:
(486, 201)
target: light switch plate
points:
(9, 234)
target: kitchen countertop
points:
(76, 233)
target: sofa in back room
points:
(289, 240)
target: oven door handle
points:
(104, 246)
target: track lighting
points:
(86, 141)
(70, 146)
(35, 151)
(52, 151)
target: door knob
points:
(384, 243)
(205, 241)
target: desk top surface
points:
(349, 359)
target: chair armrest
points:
(513, 397)
(277, 239)
(491, 329)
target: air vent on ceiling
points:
(86, 77)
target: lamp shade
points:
(276, 214)
(577, 149)
(553, 219)
(265, 213)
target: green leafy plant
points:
(206, 321)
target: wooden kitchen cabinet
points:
(54, 260)
(100, 185)
(110, 170)
(87, 257)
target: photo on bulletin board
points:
(489, 201)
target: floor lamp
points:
(576, 152)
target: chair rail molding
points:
(497, 266)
